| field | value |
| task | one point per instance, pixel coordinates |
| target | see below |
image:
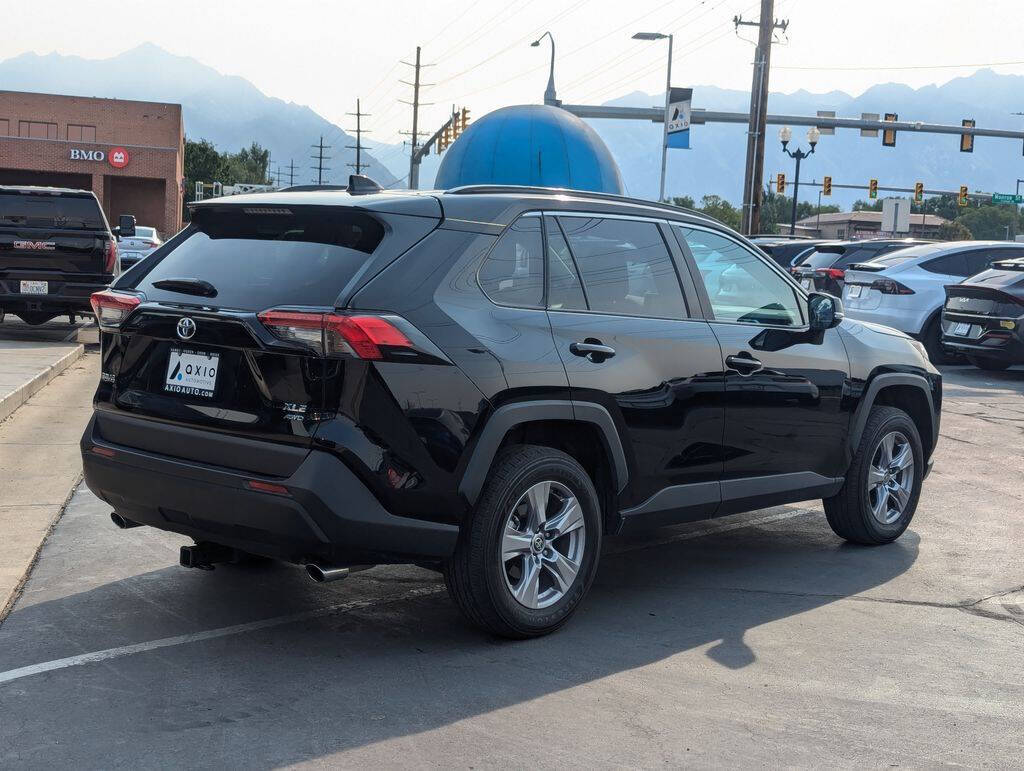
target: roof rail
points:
(472, 189)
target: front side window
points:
(740, 285)
(625, 266)
(513, 271)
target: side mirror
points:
(824, 311)
(125, 226)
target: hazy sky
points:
(325, 54)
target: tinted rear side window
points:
(948, 265)
(51, 211)
(513, 271)
(303, 256)
(626, 267)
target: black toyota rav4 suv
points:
(487, 381)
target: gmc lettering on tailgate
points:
(44, 246)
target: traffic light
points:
(918, 192)
(962, 198)
(780, 183)
(889, 135)
(464, 118)
(445, 139)
(967, 140)
(826, 186)
(455, 126)
(873, 188)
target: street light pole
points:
(668, 96)
(785, 135)
(549, 92)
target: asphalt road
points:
(753, 640)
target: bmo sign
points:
(117, 157)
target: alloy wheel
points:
(891, 478)
(542, 545)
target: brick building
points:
(131, 154)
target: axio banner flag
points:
(677, 120)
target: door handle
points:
(745, 365)
(592, 349)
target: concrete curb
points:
(7, 604)
(21, 394)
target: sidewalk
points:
(39, 456)
(27, 366)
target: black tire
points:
(476, 575)
(931, 338)
(849, 511)
(35, 318)
(991, 365)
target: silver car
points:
(904, 289)
(141, 245)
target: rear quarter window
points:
(302, 256)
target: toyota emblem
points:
(186, 328)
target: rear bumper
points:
(65, 292)
(328, 514)
(909, 320)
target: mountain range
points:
(231, 112)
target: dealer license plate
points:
(35, 287)
(962, 329)
(855, 290)
(807, 283)
(191, 372)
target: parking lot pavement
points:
(758, 638)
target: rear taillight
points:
(332, 334)
(888, 286)
(831, 273)
(111, 308)
(110, 258)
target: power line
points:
(358, 146)
(856, 68)
(320, 158)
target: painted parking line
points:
(344, 607)
(209, 634)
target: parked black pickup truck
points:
(56, 249)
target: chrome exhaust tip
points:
(323, 573)
(121, 522)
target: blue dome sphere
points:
(530, 144)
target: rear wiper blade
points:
(187, 286)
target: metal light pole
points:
(549, 92)
(668, 89)
(786, 134)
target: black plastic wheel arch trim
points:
(508, 416)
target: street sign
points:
(1007, 198)
(896, 215)
(677, 120)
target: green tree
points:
(875, 205)
(684, 201)
(954, 230)
(723, 211)
(991, 221)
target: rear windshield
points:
(262, 257)
(51, 211)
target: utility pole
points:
(758, 110)
(320, 158)
(358, 146)
(291, 172)
(414, 157)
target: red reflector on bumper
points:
(267, 487)
(106, 453)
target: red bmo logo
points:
(118, 157)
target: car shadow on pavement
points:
(393, 667)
